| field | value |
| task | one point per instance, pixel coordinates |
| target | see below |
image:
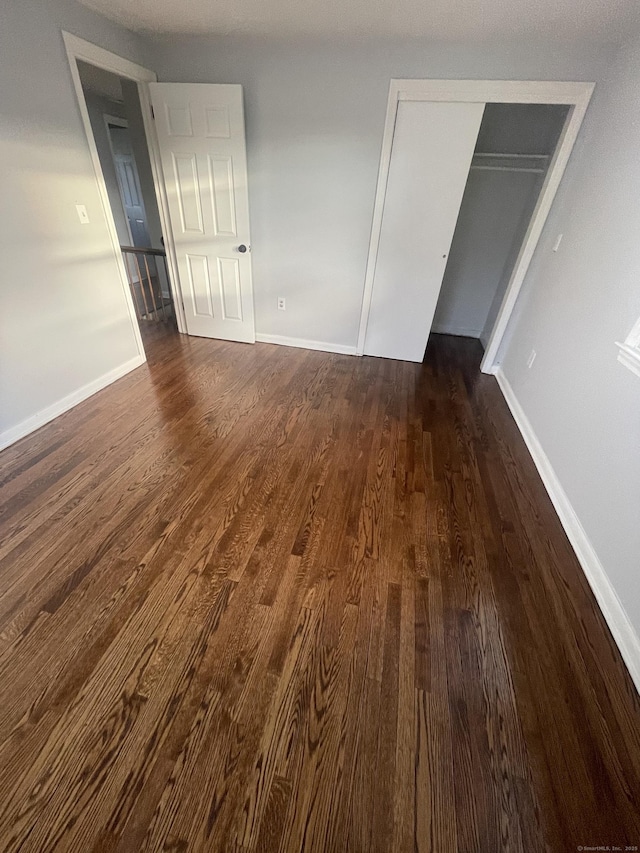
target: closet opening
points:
(495, 148)
(513, 151)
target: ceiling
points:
(443, 20)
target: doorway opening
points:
(117, 125)
(194, 146)
(510, 162)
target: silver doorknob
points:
(242, 248)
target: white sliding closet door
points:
(433, 145)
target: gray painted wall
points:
(520, 128)
(315, 115)
(493, 206)
(583, 405)
(64, 321)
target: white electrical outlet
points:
(83, 216)
(532, 358)
(282, 303)
(556, 245)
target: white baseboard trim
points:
(458, 331)
(303, 343)
(13, 434)
(612, 609)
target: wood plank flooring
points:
(272, 600)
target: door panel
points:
(200, 129)
(132, 198)
(129, 183)
(433, 145)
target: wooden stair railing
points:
(148, 276)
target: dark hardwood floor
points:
(266, 599)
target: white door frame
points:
(576, 95)
(76, 49)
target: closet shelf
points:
(535, 163)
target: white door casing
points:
(432, 149)
(200, 131)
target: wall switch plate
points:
(532, 358)
(282, 303)
(83, 216)
(556, 245)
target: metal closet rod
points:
(507, 169)
(502, 154)
(501, 168)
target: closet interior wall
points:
(512, 155)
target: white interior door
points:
(132, 198)
(200, 128)
(432, 149)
